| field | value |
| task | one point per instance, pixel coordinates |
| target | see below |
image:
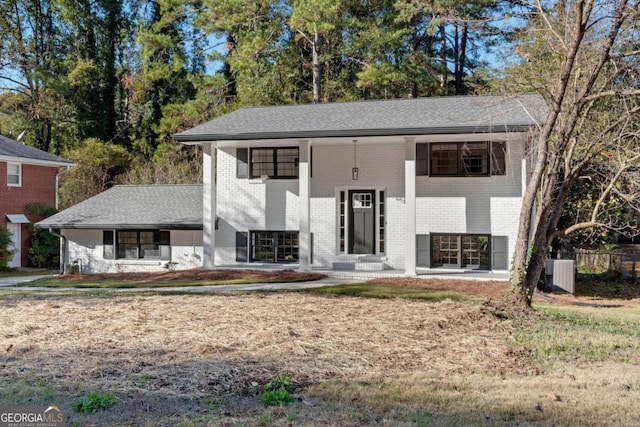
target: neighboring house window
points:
(274, 162)
(143, 244)
(461, 159)
(274, 246)
(14, 174)
(460, 251)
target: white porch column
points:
(305, 206)
(410, 207)
(209, 206)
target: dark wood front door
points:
(362, 220)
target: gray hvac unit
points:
(560, 275)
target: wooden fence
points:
(625, 260)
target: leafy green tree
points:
(98, 165)
(166, 71)
(96, 33)
(30, 45)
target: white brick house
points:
(403, 184)
(131, 228)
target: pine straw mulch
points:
(195, 275)
(192, 345)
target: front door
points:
(14, 245)
(363, 224)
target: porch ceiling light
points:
(354, 170)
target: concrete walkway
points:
(9, 283)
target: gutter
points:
(187, 138)
(65, 244)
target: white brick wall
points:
(485, 205)
(446, 205)
(86, 247)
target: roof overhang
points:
(193, 139)
(398, 139)
(37, 162)
(17, 219)
(72, 226)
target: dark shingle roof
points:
(15, 149)
(419, 116)
(135, 206)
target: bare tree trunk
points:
(548, 184)
(316, 68)
(443, 56)
(461, 58)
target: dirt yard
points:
(146, 350)
(191, 360)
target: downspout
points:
(65, 248)
(58, 175)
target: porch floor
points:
(423, 273)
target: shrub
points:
(276, 397)
(93, 402)
(44, 247)
(5, 253)
(278, 390)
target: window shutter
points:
(242, 251)
(423, 247)
(422, 159)
(107, 244)
(242, 163)
(499, 248)
(165, 245)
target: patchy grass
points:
(380, 290)
(606, 285)
(584, 334)
(171, 279)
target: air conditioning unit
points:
(560, 274)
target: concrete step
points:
(361, 258)
(362, 275)
(356, 265)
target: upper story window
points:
(14, 174)
(274, 162)
(461, 159)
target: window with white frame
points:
(14, 174)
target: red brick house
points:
(27, 176)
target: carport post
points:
(209, 206)
(305, 206)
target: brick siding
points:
(38, 186)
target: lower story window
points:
(142, 244)
(460, 251)
(274, 246)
